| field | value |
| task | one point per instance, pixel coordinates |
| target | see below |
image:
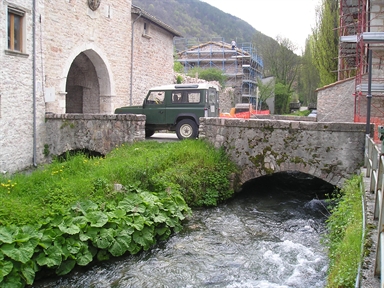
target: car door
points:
(155, 107)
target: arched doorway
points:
(88, 85)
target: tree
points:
(325, 41)
(282, 98)
(309, 78)
(266, 90)
(280, 61)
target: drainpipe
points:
(369, 94)
(34, 79)
(133, 24)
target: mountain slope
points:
(194, 18)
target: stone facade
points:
(16, 93)
(152, 59)
(76, 60)
(330, 151)
(336, 103)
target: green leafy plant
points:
(209, 74)
(345, 235)
(46, 150)
(87, 233)
(179, 79)
(178, 67)
(67, 214)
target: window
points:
(156, 97)
(146, 31)
(15, 29)
(193, 97)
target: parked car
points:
(177, 108)
(313, 113)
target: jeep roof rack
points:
(186, 86)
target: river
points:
(268, 236)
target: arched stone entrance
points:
(88, 85)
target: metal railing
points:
(374, 163)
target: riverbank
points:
(82, 210)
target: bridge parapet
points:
(94, 132)
(330, 151)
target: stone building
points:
(73, 57)
(240, 63)
(361, 50)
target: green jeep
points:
(177, 108)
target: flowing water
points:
(267, 236)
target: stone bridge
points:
(94, 132)
(330, 151)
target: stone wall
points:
(330, 151)
(16, 93)
(336, 102)
(100, 133)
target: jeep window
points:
(177, 97)
(156, 97)
(212, 95)
(186, 97)
(194, 97)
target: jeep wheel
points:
(149, 132)
(187, 129)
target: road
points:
(163, 137)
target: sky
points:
(292, 19)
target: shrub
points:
(209, 74)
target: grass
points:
(345, 235)
(300, 113)
(195, 168)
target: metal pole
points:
(132, 31)
(34, 81)
(369, 95)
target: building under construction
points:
(361, 35)
(240, 64)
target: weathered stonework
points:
(336, 103)
(99, 133)
(83, 60)
(330, 151)
(16, 100)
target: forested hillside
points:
(194, 18)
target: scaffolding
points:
(242, 65)
(362, 29)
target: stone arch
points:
(87, 82)
(249, 173)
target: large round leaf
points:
(97, 218)
(51, 257)
(21, 252)
(66, 267)
(5, 269)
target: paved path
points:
(163, 137)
